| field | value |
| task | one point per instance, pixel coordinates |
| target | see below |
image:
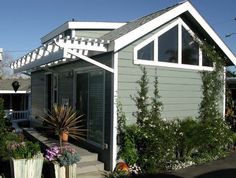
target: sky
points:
(24, 22)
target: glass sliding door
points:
(90, 102)
(96, 107)
(82, 97)
(48, 92)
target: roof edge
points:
(81, 25)
(183, 7)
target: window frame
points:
(181, 24)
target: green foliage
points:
(164, 144)
(212, 84)
(2, 119)
(141, 100)
(68, 157)
(215, 137)
(187, 138)
(62, 119)
(6, 138)
(128, 151)
(23, 150)
(156, 104)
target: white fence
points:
(17, 115)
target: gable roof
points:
(130, 32)
(53, 53)
(113, 35)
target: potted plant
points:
(26, 159)
(64, 161)
(64, 120)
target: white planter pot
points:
(65, 171)
(26, 168)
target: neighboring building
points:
(92, 65)
(16, 103)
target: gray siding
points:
(37, 93)
(65, 90)
(91, 33)
(180, 89)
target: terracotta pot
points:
(64, 136)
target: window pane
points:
(206, 61)
(190, 49)
(147, 52)
(96, 107)
(168, 46)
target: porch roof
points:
(6, 86)
(60, 50)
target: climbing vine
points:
(212, 84)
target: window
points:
(206, 61)
(147, 52)
(190, 49)
(168, 46)
(91, 102)
(172, 46)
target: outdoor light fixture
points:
(15, 85)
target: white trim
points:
(81, 25)
(90, 60)
(166, 17)
(114, 121)
(180, 24)
(13, 92)
(224, 92)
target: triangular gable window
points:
(168, 46)
(147, 52)
(172, 46)
(190, 49)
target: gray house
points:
(91, 65)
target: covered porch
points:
(78, 72)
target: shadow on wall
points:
(227, 173)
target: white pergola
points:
(61, 50)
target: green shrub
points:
(23, 150)
(187, 138)
(7, 137)
(127, 135)
(215, 138)
(128, 151)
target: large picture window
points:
(190, 49)
(172, 46)
(147, 52)
(168, 46)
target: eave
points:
(185, 7)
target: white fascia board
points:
(60, 54)
(164, 18)
(95, 25)
(13, 92)
(149, 26)
(55, 32)
(81, 25)
(212, 33)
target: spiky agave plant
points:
(62, 119)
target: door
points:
(90, 102)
